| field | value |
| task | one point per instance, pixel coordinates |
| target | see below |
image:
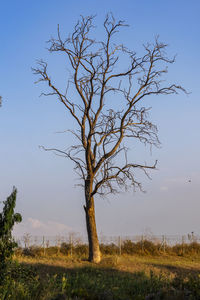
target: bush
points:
(32, 251)
(150, 247)
(128, 247)
(52, 250)
(194, 248)
(81, 250)
(186, 249)
(7, 220)
(142, 247)
(65, 249)
(109, 249)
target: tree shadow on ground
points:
(176, 270)
(91, 281)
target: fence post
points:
(142, 243)
(163, 238)
(58, 245)
(71, 245)
(193, 237)
(120, 245)
(183, 244)
(43, 243)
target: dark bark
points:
(94, 250)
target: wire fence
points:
(27, 240)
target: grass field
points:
(116, 277)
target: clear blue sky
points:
(47, 198)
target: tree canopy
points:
(106, 104)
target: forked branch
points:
(107, 101)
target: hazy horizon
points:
(47, 199)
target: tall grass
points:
(38, 278)
(93, 282)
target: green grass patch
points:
(115, 278)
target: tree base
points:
(95, 258)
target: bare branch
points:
(110, 108)
(79, 164)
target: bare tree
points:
(108, 110)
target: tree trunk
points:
(94, 251)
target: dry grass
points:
(171, 265)
(115, 277)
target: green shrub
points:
(142, 247)
(186, 249)
(110, 249)
(150, 248)
(32, 251)
(21, 283)
(53, 250)
(128, 247)
(81, 250)
(194, 248)
(65, 248)
(7, 220)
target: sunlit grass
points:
(51, 277)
